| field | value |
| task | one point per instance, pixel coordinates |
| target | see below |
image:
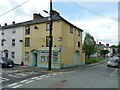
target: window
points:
(44, 56)
(47, 41)
(47, 26)
(27, 42)
(26, 57)
(55, 56)
(2, 33)
(78, 32)
(13, 31)
(12, 55)
(2, 43)
(78, 43)
(71, 29)
(13, 42)
(27, 30)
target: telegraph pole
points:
(50, 36)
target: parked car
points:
(6, 62)
(113, 62)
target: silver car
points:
(113, 62)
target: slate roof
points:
(37, 21)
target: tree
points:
(118, 47)
(89, 45)
(104, 52)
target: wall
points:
(8, 43)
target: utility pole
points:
(50, 36)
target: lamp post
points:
(50, 36)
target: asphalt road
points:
(98, 76)
(11, 75)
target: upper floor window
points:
(78, 43)
(12, 55)
(78, 32)
(13, 42)
(13, 31)
(71, 29)
(27, 30)
(27, 42)
(47, 26)
(2, 33)
(2, 43)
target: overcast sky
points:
(100, 19)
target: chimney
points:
(37, 16)
(55, 13)
(107, 45)
(13, 22)
(5, 24)
(99, 42)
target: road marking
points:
(54, 74)
(17, 86)
(29, 81)
(39, 78)
(12, 84)
(34, 77)
(24, 81)
(114, 72)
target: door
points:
(35, 59)
(6, 54)
(76, 59)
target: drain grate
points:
(63, 81)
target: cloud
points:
(22, 13)
(105, 31)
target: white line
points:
(29, 81)
(39, 78)
(12, 84)
(34, 77)
(47, 76)
(114, 72)
(54, 74)
(17, 86)
(24, 80)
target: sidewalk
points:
(39, 69)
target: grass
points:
(93, 60)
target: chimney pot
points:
(5, 24)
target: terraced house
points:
(66, 47)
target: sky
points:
(96, 17)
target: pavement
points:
(69, 69)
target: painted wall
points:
(0, 42)
(69, 43)
(38, 38)
(8, 36)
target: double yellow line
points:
(114, 72)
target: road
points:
(98, 76)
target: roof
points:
(42, 20)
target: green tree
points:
(89, 45)
(104, 52)
(118, 47)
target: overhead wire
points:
(90, 11)
(14, 8)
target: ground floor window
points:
(26, 57)
(44, 56)
(12, 55)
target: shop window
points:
(55, 56)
